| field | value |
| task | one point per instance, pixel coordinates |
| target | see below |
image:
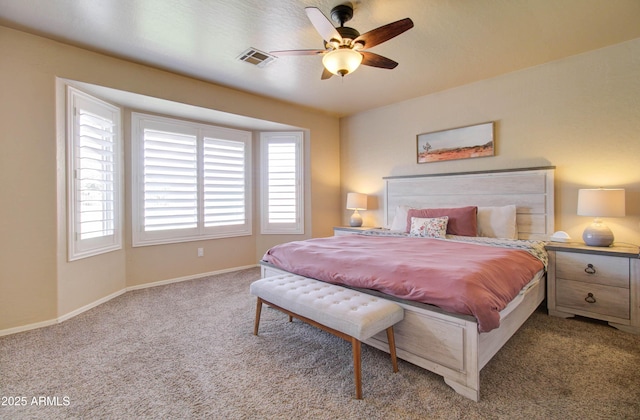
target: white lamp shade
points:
(342, 61)
(356, 201)
(601, 202)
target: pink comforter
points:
(463, 278)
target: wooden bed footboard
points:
(451, 346)
(443, 344)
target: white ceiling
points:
(454, 42)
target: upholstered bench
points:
(346, 313)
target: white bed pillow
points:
(497, 222)
(425, 227)
(399, 222)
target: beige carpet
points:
(186, 350)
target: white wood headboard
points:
(530, 189)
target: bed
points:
(447, 343)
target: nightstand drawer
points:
(604, 300)
(605, 270)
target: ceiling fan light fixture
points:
(342, 61)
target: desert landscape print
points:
(457, 143)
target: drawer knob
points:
(590, 298)
(590, 270)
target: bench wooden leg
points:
(392, 348)
(257, 322)
(357, 367)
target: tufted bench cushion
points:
(347, 313)
(356, 314)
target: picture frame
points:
(466, 142)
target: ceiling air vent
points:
(256, 57)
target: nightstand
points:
(348, 230)
(595, 282)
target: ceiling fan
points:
(345, 47)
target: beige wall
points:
(580, 114)
(37, 284)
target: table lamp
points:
(599, 203)
(355, 202)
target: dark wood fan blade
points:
(384, 33)
(326, 74)
(375, 60)
(296, 52)
(322, 24)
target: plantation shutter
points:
(282, 195)
(94, 188)
(224, 182)
(170, 180)
(95, 175)
(282, 183)
(190, 181)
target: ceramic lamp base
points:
(597, 234)
(355, 220)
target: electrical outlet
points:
(200, 252)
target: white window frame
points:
(140, 237)
(78, 248)
(267, 227)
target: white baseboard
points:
(28, 327)
(92, 305)
(192, 277)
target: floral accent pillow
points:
(429, 227)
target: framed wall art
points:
(457, 143)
